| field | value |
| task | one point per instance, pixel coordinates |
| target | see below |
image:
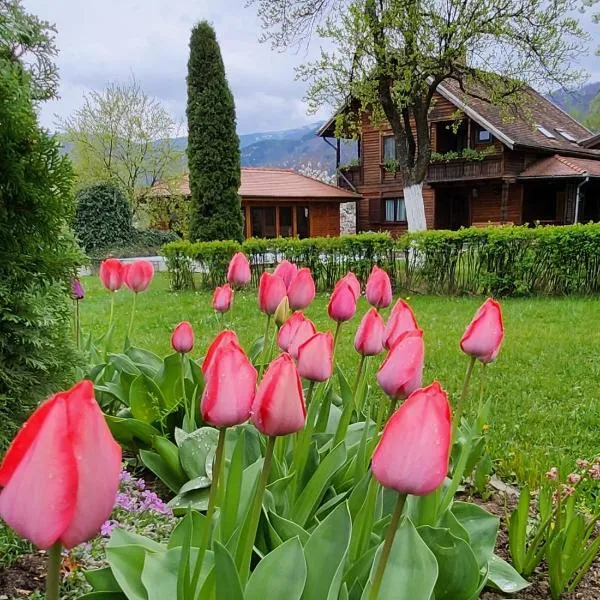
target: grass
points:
(544, 385)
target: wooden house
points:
(537, 165)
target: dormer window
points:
(483, 136)
(568, 136)
(546, 132)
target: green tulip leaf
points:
(198, 483)
(482, 528)
(143, 402)
(102, 580)
(280, 574)
(196, 499)
(502, 576)
(286, 529)
(196, 521)
(159, 467)
(159, 574)
(197, 449)
(146, 361)
(103, 596)
(227, 578)
(127, 564)
(122, 362)
(168, 380)
(131, 432)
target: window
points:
(302, 222)
(395, 211)
(285, 221)
(546, 132)
(389, 148)
(568, 136)
(451, 136)
(483, 136)
(262, 219)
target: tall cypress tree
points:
(213, 145)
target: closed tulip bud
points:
(305, 329)
(230, 388)
(379, 288)
(402, 371)
(483, 336)
(60, 476)
(402, 319)
(315, 357)
(182, 339)
(221, 341)
(77, 291)
(222, 298)
(351, 279)
(271, 291)
(288, 329)
(412, 455)
(301, 290)
(138, 275)
(368, 340)
(342, 304)
(282, 313)
(239, 272)
(287, 271)
(278, 407)
(111, 274)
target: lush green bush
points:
(38, 256)
(103, 216)
(491, 260)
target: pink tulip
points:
(379, 288)
(182, 339)
(288, 329)
(402, 319)
(402, 371)
(138, 275)
(412, 455)
(305, 329)
(287, 271)
(60, 476)
(483, 336)
(315, 357)
(369, 335)
(271, 291)
(230, 388)
(278, 407)
(111, 274)
(301, 291)
(342, 304)
(239, 272)
(222, 341)
(351, 279)
(222, 298)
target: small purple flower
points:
(125, 502)
(77, 290)
(107, 527)
(140, 484)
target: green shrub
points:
(500, 261)
(103, 216)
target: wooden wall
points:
(324, 219)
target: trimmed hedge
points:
(494, 260)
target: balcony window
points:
(449, 138)
(389, 148)
(395, 210)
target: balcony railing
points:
(350, 175)
(461, 169)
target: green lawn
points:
(544, 385)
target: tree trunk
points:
(415, 207)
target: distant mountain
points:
(576, 103)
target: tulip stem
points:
(346, 417)
(303, 441)
(387, 546)
(265, 348)
(77, 325)
(250, 527)
(132, 317)
(187, 408)
(463, 397)
(211, 507)
(336, 337)
(53, 575)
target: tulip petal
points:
(38, 500)
(98, 459)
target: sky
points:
(111, 40)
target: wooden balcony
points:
(350, 175)
(460, 169)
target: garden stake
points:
(53, 575)
(387, 546)
(463, 397)
(210, 509)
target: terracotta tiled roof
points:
(277, 184)
(562, 166)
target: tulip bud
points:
(304, 330)
(483, 336)
(222, 298)
(288, 329)
(182, 339)
(282, 313)
(379, 288)
(271, 291)
(402, 319)
(230, 388)
(287, 271)
(412, 455)
(238, 272)
(60, 476)
(315, 357)
(138, 275)
(221, 341)
(111, 274)
(402, 371)
(77, 291)
(301, 290)
(351, 279)
(369, 335)
(278, 407)
(342, 304)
